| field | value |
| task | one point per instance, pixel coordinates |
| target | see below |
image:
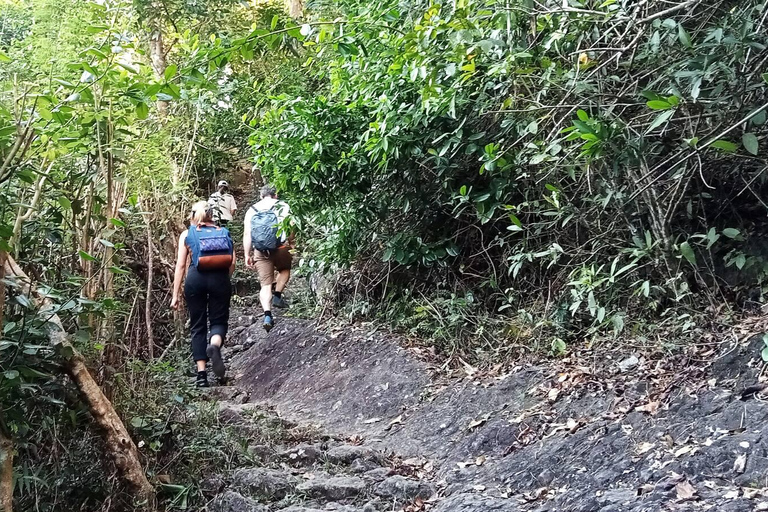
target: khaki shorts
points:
(280, 259)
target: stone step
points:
(333, 488)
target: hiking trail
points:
(598, 431)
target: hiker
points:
(267, 248)
(208, 252)
(223, 204)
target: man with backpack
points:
(266, 247)
(222, 204)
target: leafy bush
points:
(594, 164)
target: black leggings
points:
(208, 295)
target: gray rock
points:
(230, 501)
(212, 485)
(346, 454)
(302, 454)
(362, 465)
(629, 363)
(230, 414)
(402, 489)
(263, 483)
(332, 488)
(377, 475)
(236, 349)
(261, 451)
(236, 331)
(476, 503)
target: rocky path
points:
(600, 431)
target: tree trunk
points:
(6, 445)
(159, 64)
(295, 8)
(6, 473)
(148, 303)
(119, 445)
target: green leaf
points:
(725, 145)
(118, 270)
(750, 143)
(463, 190)
(275, 19)
(659, 104)
(5, 58)
(142, 110)
(11, 374)
(764, 354)
(170, 72)
(684, 37)
(65, 203)
(123, 65)
(660, 120)
(106, 243)
(582, 115)
(117, 222)
(731, 232)
(687, 252)
(86, 256)
(765, 77)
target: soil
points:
(601, 430)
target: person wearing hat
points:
(223, 204)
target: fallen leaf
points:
(750, 493)
(740, 464)
(651, 408)
(396, 421)
(684, 450)
(732, 495)
(480, 460)
(479, 488)
(372, 420)
(643, 448)
(572, 425)
(476, 423)
(553, 394)
(685, 490)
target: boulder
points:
(263, 483)
(402, 489)
(230, 501)
(332, 488)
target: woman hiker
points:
(208, 252)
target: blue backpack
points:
(264, 230)
(211, 247)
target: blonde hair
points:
(201, 213)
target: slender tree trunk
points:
(295, 8)
(6, 473)
(119, 445)
(148, 302)
(157, 55)
(6, 445)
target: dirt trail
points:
(597, 432)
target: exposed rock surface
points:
(634, 432)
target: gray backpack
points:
(264, 230)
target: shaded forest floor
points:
(384, 428)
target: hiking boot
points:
(214, 354)
(279, 302)
(202, 380)
(268, 323)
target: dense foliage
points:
(565, 168)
